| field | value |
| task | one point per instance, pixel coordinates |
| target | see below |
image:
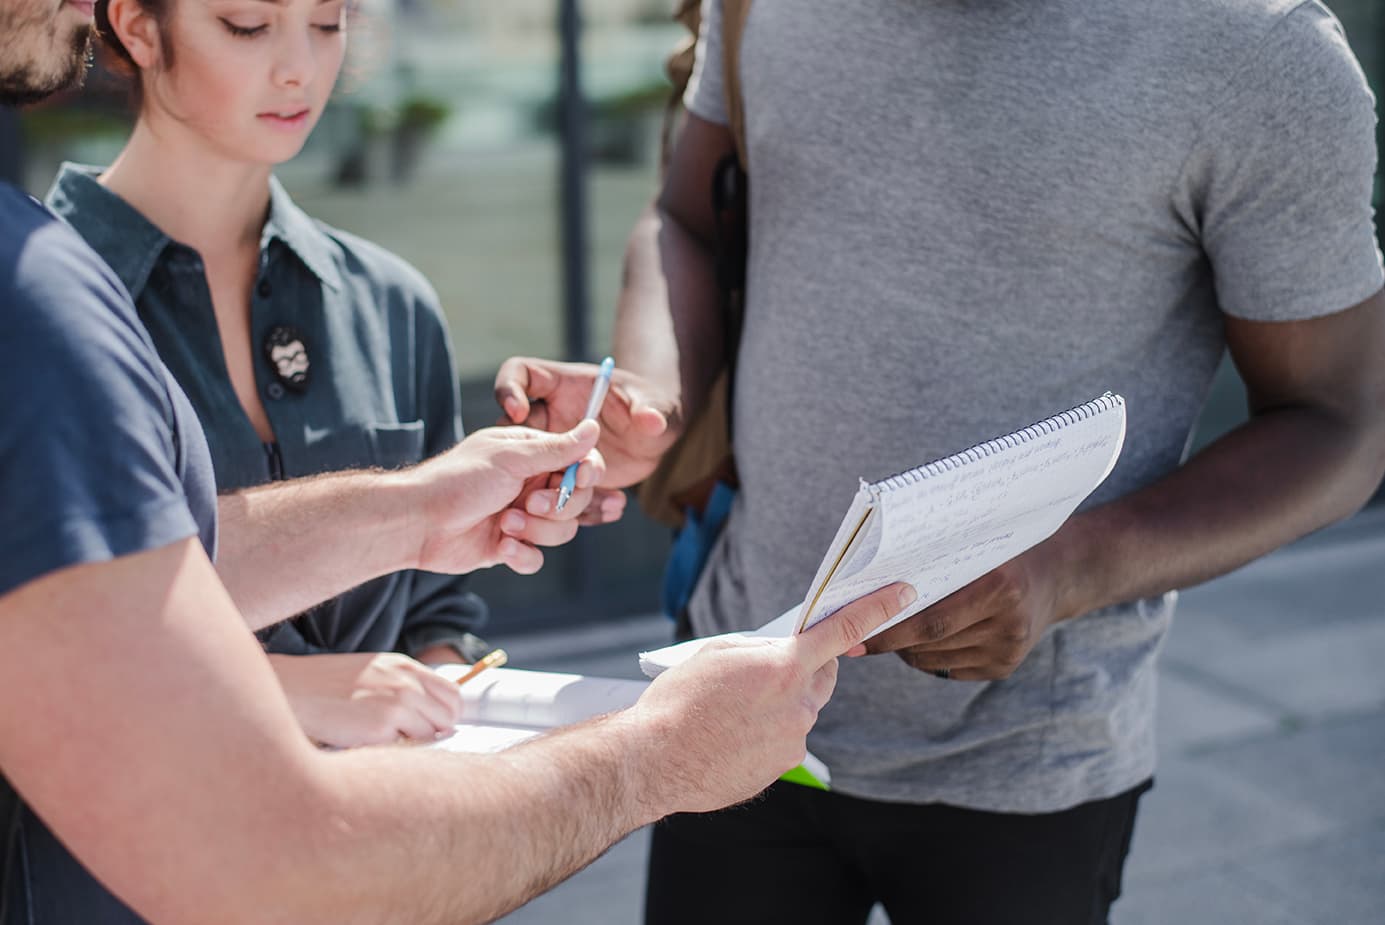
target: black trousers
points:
(802, 856)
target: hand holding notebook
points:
(943, 525)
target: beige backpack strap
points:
(733, 16)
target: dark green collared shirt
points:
(380, 391)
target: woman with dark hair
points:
(304, 349)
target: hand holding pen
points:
(598, 396)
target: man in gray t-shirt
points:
(965, 217)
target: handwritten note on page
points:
(945, 524)
(942, 526)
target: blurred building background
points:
(505, 148)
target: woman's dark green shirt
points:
(381, 388)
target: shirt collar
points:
(300, 234)
(129, 243)
(132, 245)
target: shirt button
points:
(275, 391)
(264, 289)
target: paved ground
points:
(1269, 806)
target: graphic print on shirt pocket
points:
(393, 446)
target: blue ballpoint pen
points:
(599, 389)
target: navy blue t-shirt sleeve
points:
(88, 456)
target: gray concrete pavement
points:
(1269, 804)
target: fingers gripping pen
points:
(599, 389)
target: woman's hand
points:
(366, 698)
(637, 424)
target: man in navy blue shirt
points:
(44, 48)
(150, 766)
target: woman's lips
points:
(292, 120)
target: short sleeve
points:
(705, 96)
(87, 441)
(1279, 185)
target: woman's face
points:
(250, 76)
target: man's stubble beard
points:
(30, 80)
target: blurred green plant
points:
(63, 125)
(423, 112)
(637, 101)
(416, 119)
(618, 125)
(645, 98)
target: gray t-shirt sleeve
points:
(1279, 183)
(87, 438)
(706, 93)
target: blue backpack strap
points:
(692, 544)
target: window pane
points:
(439, 149)
(623, 52)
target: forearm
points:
(669, 326)
(288, 546)
(251, 823)
(471, 837)
(1280, 476)
(398, 834)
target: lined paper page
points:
(943, 526)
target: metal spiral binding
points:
(1020, 437)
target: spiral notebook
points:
(943, 525)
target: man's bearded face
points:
(45, 46)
